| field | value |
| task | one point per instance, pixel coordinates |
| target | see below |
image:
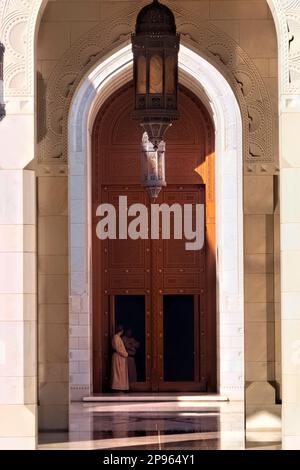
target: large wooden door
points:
(162, 292)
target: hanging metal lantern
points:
(2, 105)
(153, 166)
(155, 46)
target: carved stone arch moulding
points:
(209, 42)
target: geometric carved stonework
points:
(211, 43)
(293, 23)
(287, 13)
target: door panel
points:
(174, 251)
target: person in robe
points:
(131, 345)
(119, 366)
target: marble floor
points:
(158, 426)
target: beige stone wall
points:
(250, 24)
(53, 315)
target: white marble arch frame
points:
(198, 75)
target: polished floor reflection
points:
(160, 425)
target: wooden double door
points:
(160, 292)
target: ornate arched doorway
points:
(165, 294)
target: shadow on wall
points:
(41, 125)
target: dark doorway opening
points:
(130, 313)
(179, 343)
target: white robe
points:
(119, 368)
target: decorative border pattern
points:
(196, 74)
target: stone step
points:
(155, 397)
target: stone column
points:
(290, 272)
(260, 205)
(17, 309)
(286, 16)
(18, 371)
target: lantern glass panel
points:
(156, 75)
(170, 74)
(141, 76)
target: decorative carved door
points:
(157, 289)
